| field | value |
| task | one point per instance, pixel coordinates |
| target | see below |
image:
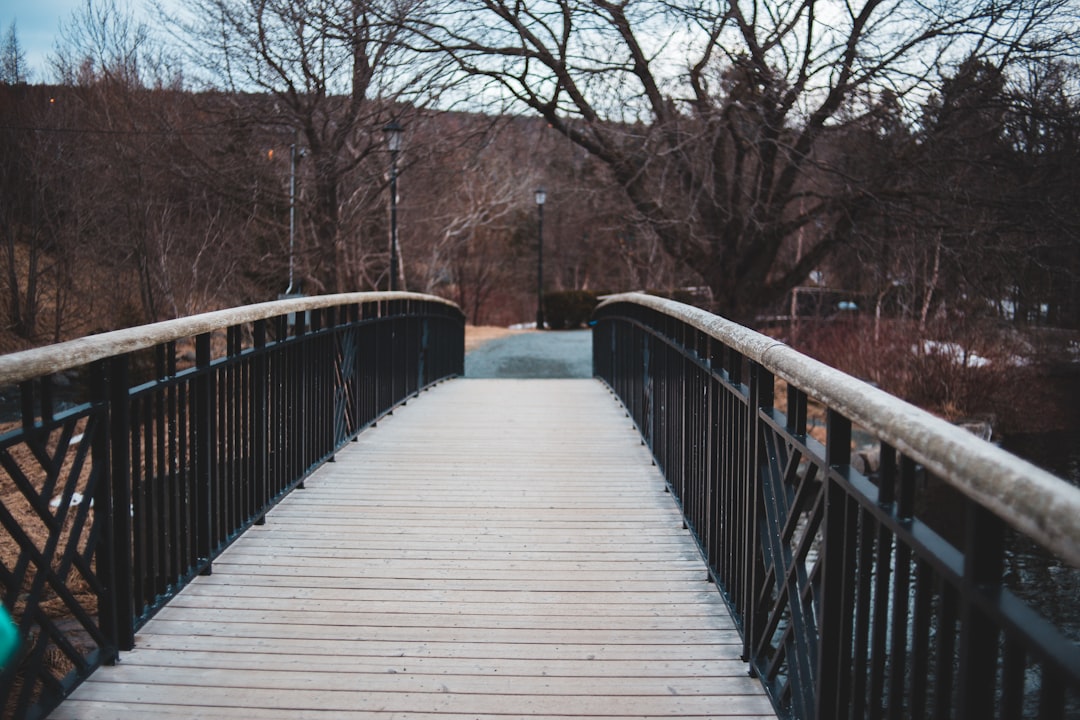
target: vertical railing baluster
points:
(260, 417)
(1012, 679)
(105, 554)
(900, 598)
(922, 621)
(355, 370)
(146, 469)
(753, 454)
(944, 682)
(984, 550)
(276, 361)
(713, 455)
(137, 505)
(298, 427)
(422, 354)
(863, 607)
(887, 473)
(203, 433)
(171, 458)
(834, 633)
(1051, 695)
(231, 478)
(796, 411)
(120, 469)
(223, 471)
(161, 511)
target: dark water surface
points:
(1057, 452)
(1045, 582)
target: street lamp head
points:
(393, 132)
(541, 196)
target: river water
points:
(1057, 452)
(1045, 582)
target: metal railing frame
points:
(174, 467)
(850, 604)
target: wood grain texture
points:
(495, 549)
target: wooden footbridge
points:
(320, 518)
(499, 548)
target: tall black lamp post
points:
(541, 196)
(393, 140)
(292, 211)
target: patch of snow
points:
(76, 499)
(954, 352)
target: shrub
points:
(955, 372)
(569, 308)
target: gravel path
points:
(549, 354)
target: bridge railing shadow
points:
(138, 456)
(889, 587)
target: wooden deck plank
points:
(462, 599)
(125, 710)
(248, 701)
(498, 548)
(355, 616)
(469, 607)
(474, 649)
(504, 667)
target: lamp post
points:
(393, 131)
(294, 153)
(541, 196)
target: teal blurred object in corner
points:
(9, 638)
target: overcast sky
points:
(37, 23)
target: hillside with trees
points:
(890, 186)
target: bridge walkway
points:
(497, 548)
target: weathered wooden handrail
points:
(156, 465)
(28, 364)
(860, 593)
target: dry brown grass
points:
(477, 335)
(43, 527)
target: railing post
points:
(203, 431)
(422, 354)
(297, 423)
(119, 524)
(648, 392)
(752, 449)
(259, 419)
(983, 564)
(105, 552)
(835, 614)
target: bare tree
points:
(717, 118)
(13, 68)
(336, 75)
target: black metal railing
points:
(877, 580)
(136, 457)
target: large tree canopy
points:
(336, 74)
(723, 120)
